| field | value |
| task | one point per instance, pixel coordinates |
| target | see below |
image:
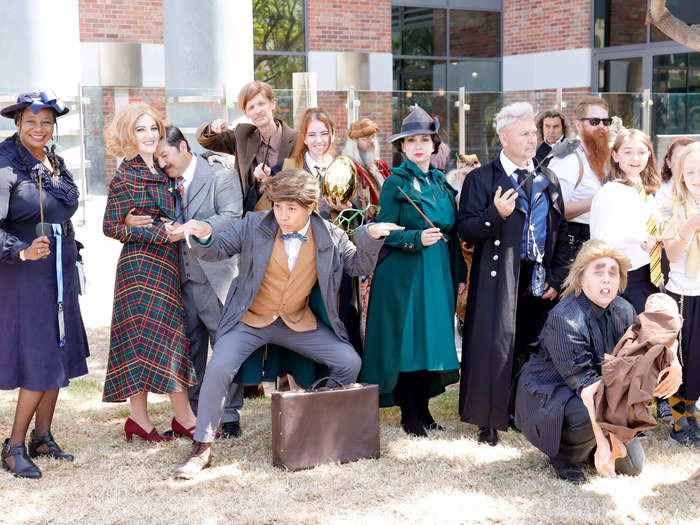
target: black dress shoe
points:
(54, 450)
(571, 473)
(24, 467)
(488, 435)
(426, 418)
(230, 429)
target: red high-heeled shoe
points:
(131, 427)
(179, 430)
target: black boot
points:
(410, 422)
(422, 406)
(24, 467)
(54, 450)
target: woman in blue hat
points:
(43, 343)
(409, 345)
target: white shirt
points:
(292, 247)
(188, 174)
(509, 166)
(312, 164)
(567, 170)
(678, 282)
(665, 192)
(619, 216)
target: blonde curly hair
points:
(120, 135)
(590, 251)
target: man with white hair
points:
(362, 147)
(515, 219)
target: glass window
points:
(418, 31)
(277, 70)
(419, 75)
(620, 75)
(278, 25)
(474, 75)
(620, 22)
(475, 33)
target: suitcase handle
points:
(316, 383)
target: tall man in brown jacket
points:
(267, 141)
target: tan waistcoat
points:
(284, 294)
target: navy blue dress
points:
(30, 355)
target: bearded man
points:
(363, 148)
(581, 173)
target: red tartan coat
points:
(149, 349)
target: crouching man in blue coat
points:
(284, 252)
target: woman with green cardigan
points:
(409, 347)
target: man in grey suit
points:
(209, 193)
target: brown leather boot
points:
(198, 460)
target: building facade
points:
(189, 59)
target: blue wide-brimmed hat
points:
(418, 122)
(36, 101)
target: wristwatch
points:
(21, 256)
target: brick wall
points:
(627, 22)
(478, 35)
(340, 25)
(535, 26)
(121, 21)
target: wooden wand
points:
(421, 212)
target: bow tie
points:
(294, 235)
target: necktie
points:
(527, 185)
(294, 235)
(655, 252)
(180, 187)
(320, 170)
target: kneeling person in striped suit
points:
(283, 253)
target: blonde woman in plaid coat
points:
(148, 347)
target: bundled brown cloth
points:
(631, 373)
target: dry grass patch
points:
(447, 478)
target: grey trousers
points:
(202, 314)
(235, 346)
(578, 442)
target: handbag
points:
(324, 425)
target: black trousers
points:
(578, 442)
(639, 287)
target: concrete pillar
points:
(41, 46)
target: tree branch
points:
(670, 25)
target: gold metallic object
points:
(340, 180)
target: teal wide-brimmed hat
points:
(418, 122)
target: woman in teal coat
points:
(409, 347)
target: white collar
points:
(509, 166)
(311, 163)
(188, 174)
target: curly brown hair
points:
(295, 185)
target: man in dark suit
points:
(552, 127)
(516, 223)
(262, 144)
(211, 193)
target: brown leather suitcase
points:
(324, 425)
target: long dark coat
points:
(148, 350)
(489, 326)
(567, 361)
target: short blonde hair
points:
(295, 185)
(590, 251)
(680, 189)
(253, 89)
(120, 135)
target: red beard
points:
(597, 151)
